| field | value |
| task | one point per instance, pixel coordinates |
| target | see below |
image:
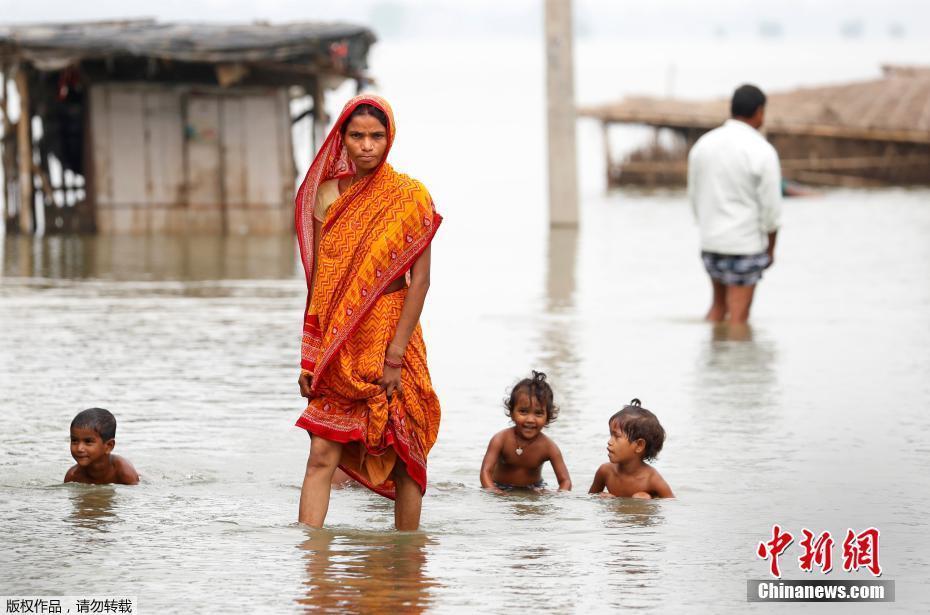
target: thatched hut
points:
(147, 127)
(869, 133)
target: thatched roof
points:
(895, 107)
(343, 48)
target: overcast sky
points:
(893, 19)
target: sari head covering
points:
(372, 234)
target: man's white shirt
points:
(734, 185)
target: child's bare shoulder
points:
(501, 436)
(607, 469)
(497, 442)
(655, 475)
(551, 447)
(73, 474)
(658, 486)
(125, 472)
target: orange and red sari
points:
(373, 233)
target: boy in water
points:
(515, 456)
(636, 436)
(93, 436)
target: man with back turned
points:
(734, 185)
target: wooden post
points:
(319, 115)
(5, 155)
(560, 103)
(86, 210)
(24, 145)
(608, 160)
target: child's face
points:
(528, 415)
(87, 447)
(619, 447)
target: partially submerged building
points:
(147, 127)
(868, 133)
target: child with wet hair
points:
(515, 456)
(636, 436)
(93, 436)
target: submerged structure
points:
(134, 127)
(868, 133)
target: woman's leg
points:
(314, 495)
(408, 500)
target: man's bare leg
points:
(314, 495)
(718, 309)
(409, 500)
(739, 300)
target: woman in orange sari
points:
(365, 232)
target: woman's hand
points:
(390, 381)
(305, 381)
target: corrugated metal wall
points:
(175, 159)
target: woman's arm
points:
(489, 461)
(305, 379)
(409, 316)
(558, 466)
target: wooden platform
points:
(866, 133)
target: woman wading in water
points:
(365, 231)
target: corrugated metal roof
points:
(288, 43)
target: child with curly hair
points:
(515, 456)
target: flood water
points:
(815, 418)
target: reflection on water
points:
(559, 343)
(735, 368)
(738, 399)
(731, 332)
(635, 554)
(531, 505)
(93, 507)
(150, 257)
(366, 572)
(560, 279)
(631, 512)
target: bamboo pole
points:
(608, 159)
(48, 192)
(4, 97)
(560, 103)
(24, 145)
(857, 163)
(5, 155)
(319, 115)
(833, 179)
(773, 126)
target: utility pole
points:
(560, 108)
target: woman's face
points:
(366, 142)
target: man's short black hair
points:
(98, 419)
(746, 99)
